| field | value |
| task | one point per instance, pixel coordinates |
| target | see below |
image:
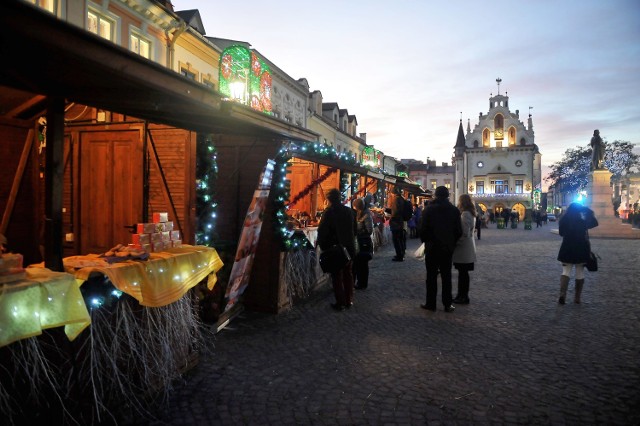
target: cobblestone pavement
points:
(512, 356)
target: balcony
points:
(512, 197)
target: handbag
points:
(419, 253)
(592, 263)
(334, 259)
(365, 247)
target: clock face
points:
(480, 164)
(519, 163)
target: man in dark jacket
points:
(338, 226)
(440, 229)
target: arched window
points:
(485, 138)
(498, 127)
(512, 136)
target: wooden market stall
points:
(95, 139)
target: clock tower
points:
(498, 162)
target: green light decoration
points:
(244, 77)
(281, 186)
(372, 158)
(344, 184)
(206, 177)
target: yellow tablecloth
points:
(45, 299)
(162, 279)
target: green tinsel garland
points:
(281, 186)
(206, 177)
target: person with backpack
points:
(398, 224)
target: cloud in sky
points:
(407, 69)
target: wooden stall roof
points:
(351, 168)
(410, 186)
(45, 56)
(47, 60)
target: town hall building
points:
(498, 163)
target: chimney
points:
(363, 136)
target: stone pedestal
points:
(599, 194)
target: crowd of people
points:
(448, 234)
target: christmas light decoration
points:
(206, 177)
(244, 77)
(282, 186)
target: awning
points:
(375, 175)
(410, 186)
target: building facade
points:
(498, 162)
(430, 176)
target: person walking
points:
(364, 229)
(413, 222)
(464, 255)
(538, 216)
(440, 229)
(397, 226)
(478, 222)
(338, 226)
(575, 248)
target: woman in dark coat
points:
(575, 248)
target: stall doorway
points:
(110, 188)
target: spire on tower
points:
(498, 80)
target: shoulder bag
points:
(334, 259)
(592, 263)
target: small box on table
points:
(160, 217)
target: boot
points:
(579, 284)
(564, 284)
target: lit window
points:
(100, 25)
(479, 187)
(48, 5)
(434, 184)
(519, 186)
(140, 46)
(447, 184)
(499, 187)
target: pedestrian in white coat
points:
(464, 254)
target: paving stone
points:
(512, 356)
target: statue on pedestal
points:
(597, 154)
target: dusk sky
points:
(407, 69)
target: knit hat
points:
(442, 192)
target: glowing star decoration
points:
(246, 78)
(225, 66)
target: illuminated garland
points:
(281, 186)
(206, 176)
(344, 184)
(355, 182)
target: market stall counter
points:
(144, 332)
(162, 279)
(43, 299)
